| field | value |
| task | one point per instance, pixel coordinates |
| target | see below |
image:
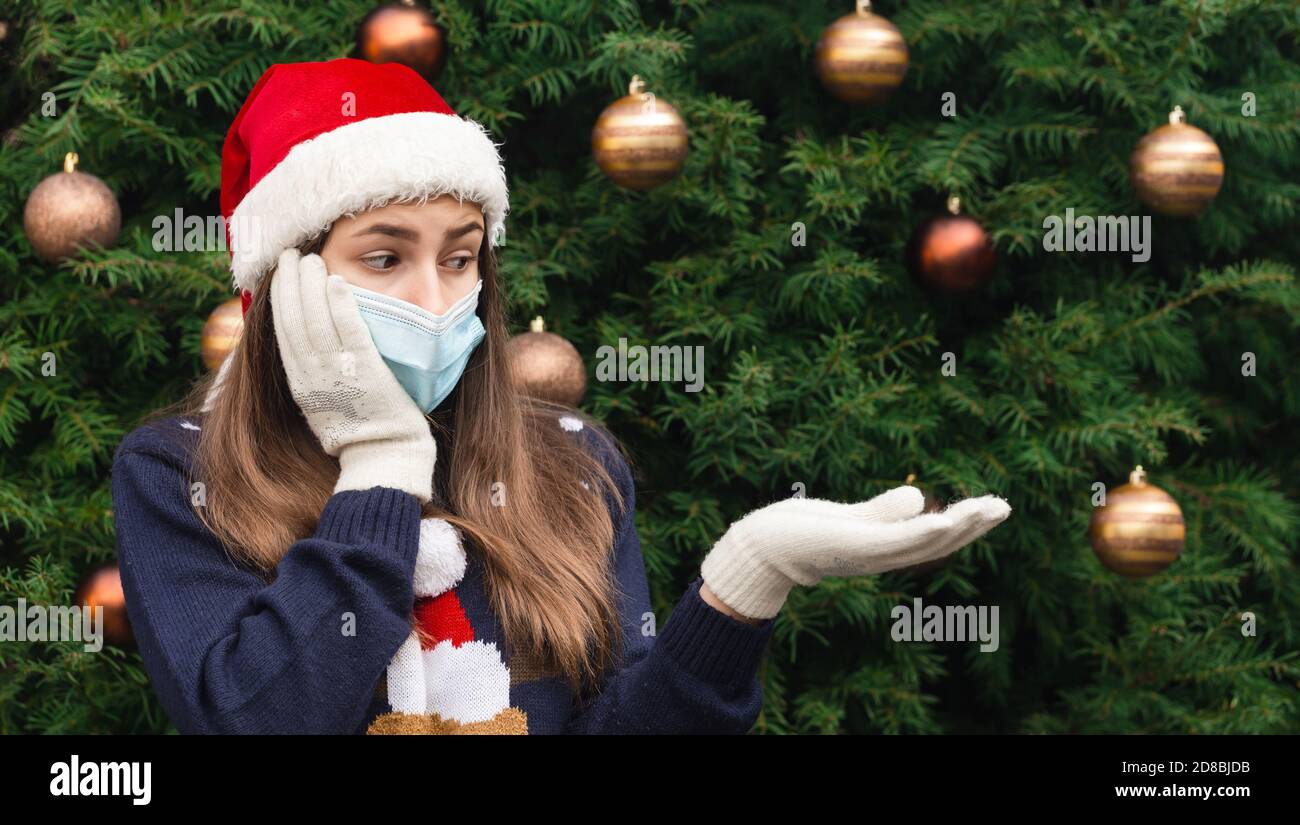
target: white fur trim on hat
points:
(440, 560)
(361, 166)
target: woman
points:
(359, 526)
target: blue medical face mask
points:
(426, 352)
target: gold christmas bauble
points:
(70, 209)
(861, 57)
(221, 332)
(1139, 531)
(102, 587)
(547, 366)
(639, 141)
(1176, 169)
(403, 33)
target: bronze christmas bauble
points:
(861, 57)
(951, 253)
(639, 141)
(101, 586)
(403, 33)
(1140, 530)
(1176, 169)
(70, 209)
(221, 332)
(547, 366)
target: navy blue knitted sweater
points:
(227, 652)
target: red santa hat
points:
(316, 141)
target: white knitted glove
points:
(802, 540)
(349, 396)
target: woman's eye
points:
(378, 258)
(466, 259)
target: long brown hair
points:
(546, 553)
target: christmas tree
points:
(779, 250)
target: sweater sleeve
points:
(228, 653)
(698, 675)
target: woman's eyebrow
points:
(463, 230)
(410, 235)
(389, 229)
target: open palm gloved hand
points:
(803, 540)
(352, 401)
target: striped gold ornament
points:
(639, 141)
(861, 57)
(1140, 529)
(221, 332)
(1176, 169)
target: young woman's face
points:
(425, 254)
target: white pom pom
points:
(440, 562)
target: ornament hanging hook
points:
(1138, 476)
(637, 87)
(954, 204)
(537, 325)
(70, 162)
(1176, 117)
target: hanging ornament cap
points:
(954, 204)
(537, 325)
(1177, 117)
(70, 162)
(1138, 476)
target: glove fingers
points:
(892, 545)
(312, 283)
(875, 548)
(972, 518)
(893, 505)
(286, 309)
(352, 331)
(844, 544)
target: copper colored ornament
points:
(547, 366)
(951, 252)
(639, 141)
(404, 33)
(102, 587)
(70, 209)
(1140, 529)
(221, 332)
(1176, 169)
(861, 57)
